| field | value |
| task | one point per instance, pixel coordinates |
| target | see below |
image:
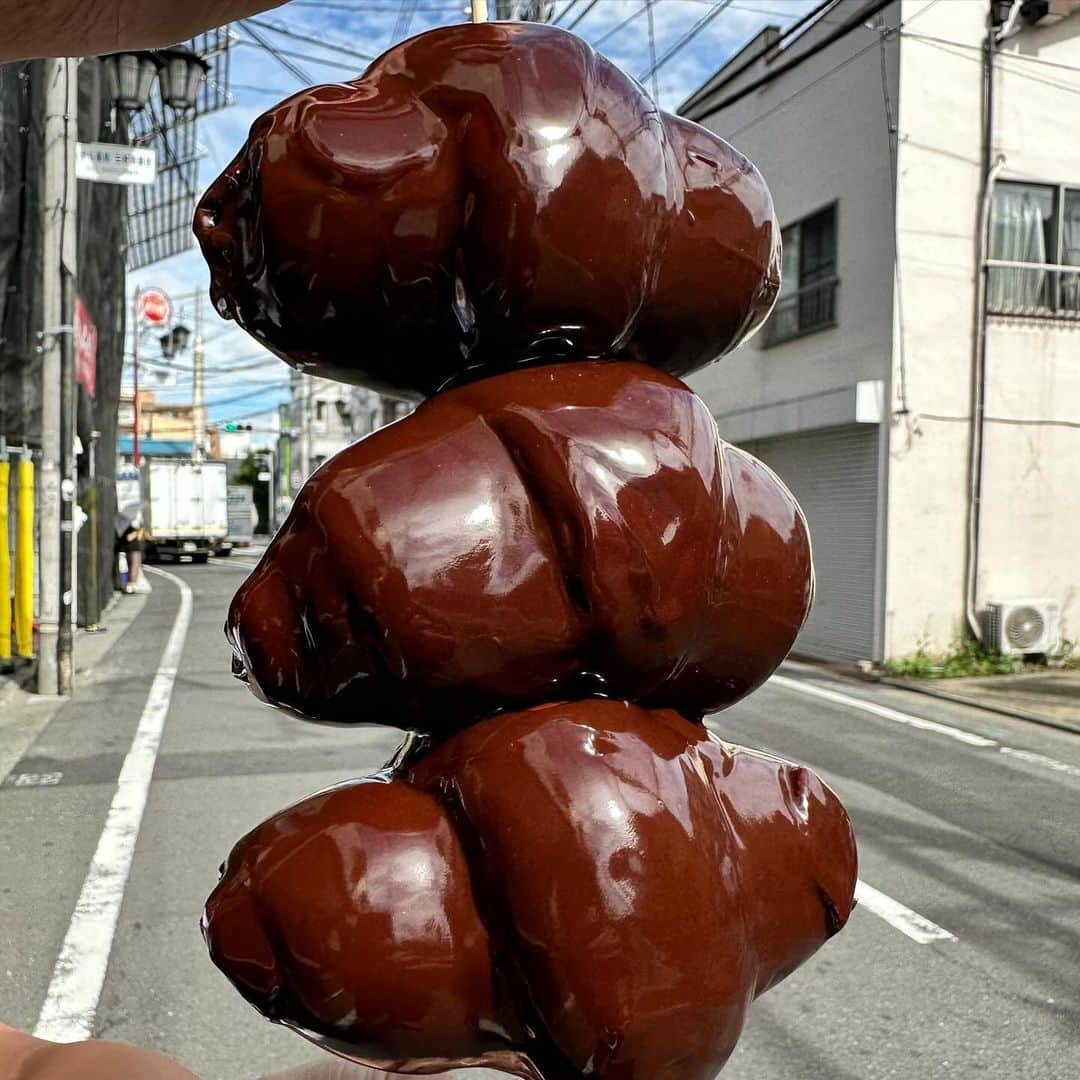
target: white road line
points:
(1041, 759)
(79, 975)
(967, 737)
(883, 711)
(915, 926)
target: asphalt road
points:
(962, 961)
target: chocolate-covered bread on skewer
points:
(487, 196)
(551, 570)
(585, 888)
(535, 536)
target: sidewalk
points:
(23, 715)
(1045, 697)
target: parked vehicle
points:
(186, 511)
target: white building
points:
(323, 417)
(864, 390)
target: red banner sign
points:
(85, 348)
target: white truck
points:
(186, 510)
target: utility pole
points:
(479, 10)
(198, 392)
(136, 328)
(305, 441)
(57, 376)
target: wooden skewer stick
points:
(479, 10)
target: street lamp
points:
(175, 341)
(180, 75)
(129, 77)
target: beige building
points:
(917, 385)
(157, 420)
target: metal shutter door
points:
(833, 474)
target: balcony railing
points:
(813, 307)
(1032, 290)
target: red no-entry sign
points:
(154, 307)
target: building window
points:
(1034, 244)
(807, 299)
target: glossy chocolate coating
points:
(636, 882)
(487, 196)
(546, 534)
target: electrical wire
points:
(887, 32)
(998, 54)
(283, 55)
(728, 77)
(245, 396)
(1015, 421)
(652, 52)
(950, 49)
(716, 10)
(853, 23)
(274, 91)
(366, 5)
(565, 11)
(284, 61)
(324, 43)
(404, 20)
(615, 29)
(588, 7)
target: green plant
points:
(919, 665)
(967, 657)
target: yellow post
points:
(24, 560)
(5, 564)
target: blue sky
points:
(259, 80)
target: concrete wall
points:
(1030, 508)
(1031, 502)
(817, 137)
(937, 213)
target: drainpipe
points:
(990, 170)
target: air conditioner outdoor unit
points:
(1022, 626)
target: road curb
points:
(975, 703)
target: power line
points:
(701, 24)
(274, 91)
(845, 28)
(556, 20)
(887, 32)
(615, 29)
(366, 5)
(588, 7)
(761, 54)
(244, 397)
(404, 20)
(284, 61)
(324, 43)
(292, 54)
(1003, 68)
(1000, 54)
(652, 52)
